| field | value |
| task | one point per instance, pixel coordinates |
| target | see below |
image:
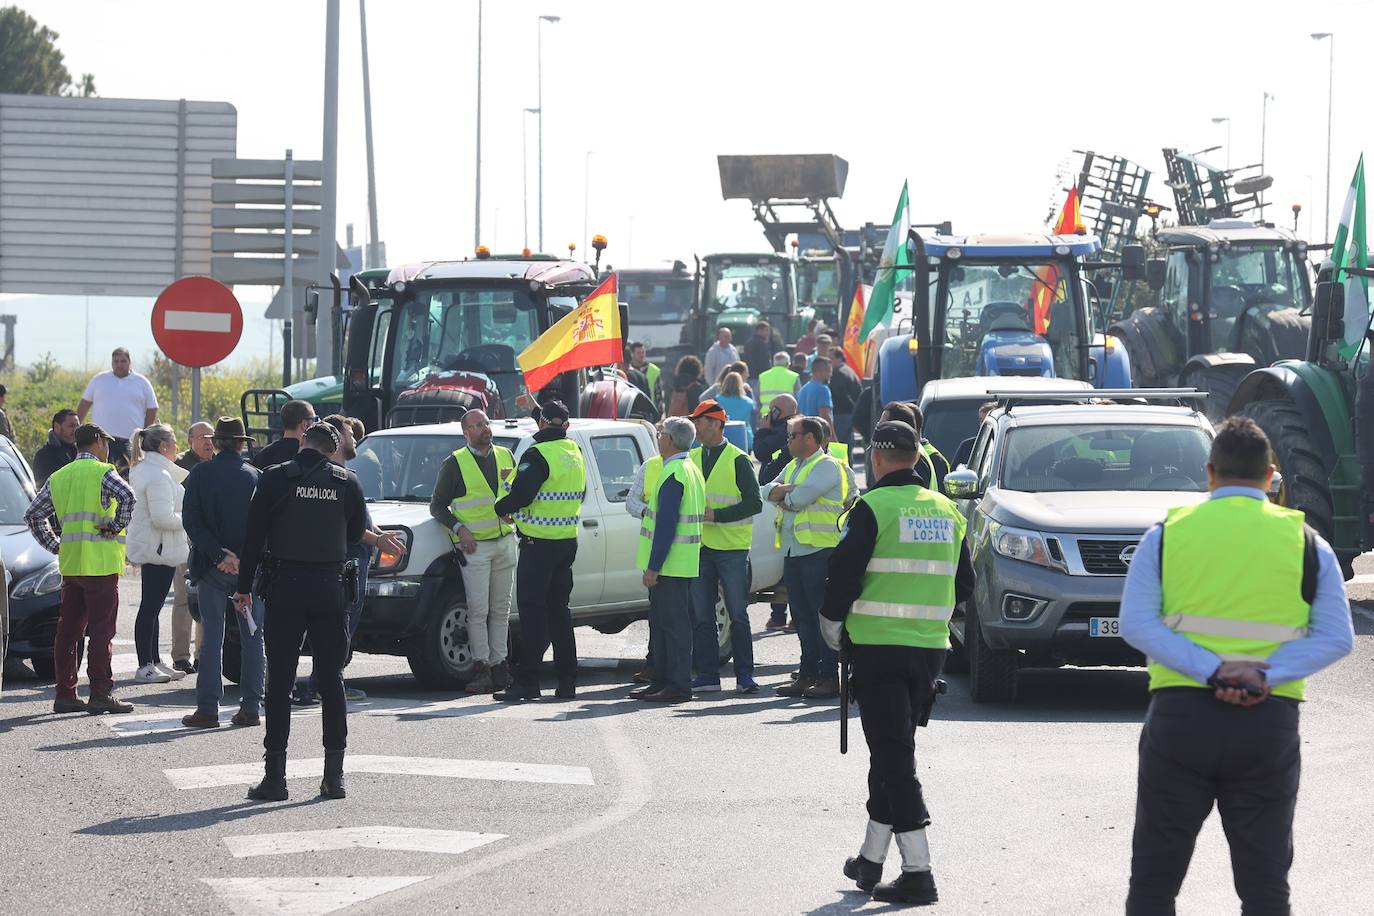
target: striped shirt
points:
(41, 516)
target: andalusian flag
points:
(1050, 289)
(853, 343)
(1350, 250)
(587, 336)
(895, 254)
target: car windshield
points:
(14, 497)
(656, 299)
(1105, 457)
(474, 329)
(760, 285)
(1009, 318)
(406, 467)
(1262, 274)
(948, 423)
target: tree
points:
(30, 63)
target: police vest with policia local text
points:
(310, 528)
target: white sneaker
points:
(171, 673)
(150, 674)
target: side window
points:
(983, 459)
(616, 458)
(1175, 293)
(380, 327)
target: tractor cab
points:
(735, 291)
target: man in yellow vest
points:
(639, 361)
(732, 501)
(637, 503)
(778, 380)
(894, 579)
(92, 505)
(669, 554)
(1234, 602)
(464, 502)
(810, 497)
(546, 494)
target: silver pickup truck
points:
(415, 605)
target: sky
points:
(977, 104)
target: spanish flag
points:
(1050, 289)
(854, 350)
(588, 336)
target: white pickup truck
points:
(415, 605)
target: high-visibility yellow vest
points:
(1231, 582)
(476, 509)
(557, 507)
(773, 382)
(722, 490)
(838, 450)
(818, 525)
(929, 455)
(84, 550)
(653, 469)
(652, 373)
(684, 555)
(908, 586)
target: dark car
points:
(35, 584)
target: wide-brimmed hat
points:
(230, 428)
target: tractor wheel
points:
(1304, 483)
(1220, 383)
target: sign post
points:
(197, 322)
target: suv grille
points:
(1082, 610)
(1103, 558)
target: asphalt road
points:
(727, 804)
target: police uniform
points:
(894, 580)
(303, 516)
(546, 494)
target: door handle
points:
(590, 523)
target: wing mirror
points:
(1154, 273)
(961, 484)
(1133, 262)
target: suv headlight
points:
(44, 582)
(384, 561)
(1021, 544)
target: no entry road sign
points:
(197, 322)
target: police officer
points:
(302, 518)
(545, 497)
(933, 465)
(1235, 601)
(895, 577)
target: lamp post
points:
(1330, 82)
(539, 107)
(477, 194)
(1227, 122)
(1264, 124)
(525, 171)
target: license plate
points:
(1104, 626)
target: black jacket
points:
(284, 449)
(530, 474)
(214, 511)
(49, 458)
(847, 564)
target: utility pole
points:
(373, 256)
(477, 196)
(1330, 85)
(1264, 123)
(324, 347)
(539, 77)
(525, 170)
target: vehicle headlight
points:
(44, 582)
(1023, 545)
(384, 561)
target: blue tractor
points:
(1004, 305)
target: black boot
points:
(916, 887)
(332, 786)
(863, 873)
(273, 785)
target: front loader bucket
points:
(811, 176)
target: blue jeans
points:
(726, 570)
(805, 578)
(252, 662)
(670, 619)
(844, 428)
(355, 610)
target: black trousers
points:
(892, 685)
(543, 585)
(300, 600)
(1195, 750)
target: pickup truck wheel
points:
(957, 660)
(992, 672)
(441, 656)
(723, 634)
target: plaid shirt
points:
(41, 516)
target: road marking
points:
(407, 839)
(246, 774)
(302, 896)
(216, 322)
(1363, 579)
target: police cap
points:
(894, 435)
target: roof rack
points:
(1180, 396)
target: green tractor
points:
(1318, 413)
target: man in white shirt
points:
(721, 354)
(119, 401)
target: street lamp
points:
(1330, 79)
(525, 171)
(1227, 122)
(539, 76)
(1264, 124)
(477, 194)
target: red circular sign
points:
(197, 322)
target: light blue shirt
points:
(824, 480)
(1330, 636)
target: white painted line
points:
(1363, 579)
(465, 707)
(214, 322)
(302, 896)
(246, 774)
(407, 839)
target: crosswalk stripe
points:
(303, 896)
(1364, 579)
(407, 839)
(243, 774)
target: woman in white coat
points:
(155, 539)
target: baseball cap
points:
(709, 408)
(88, 433)
(894, 435)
